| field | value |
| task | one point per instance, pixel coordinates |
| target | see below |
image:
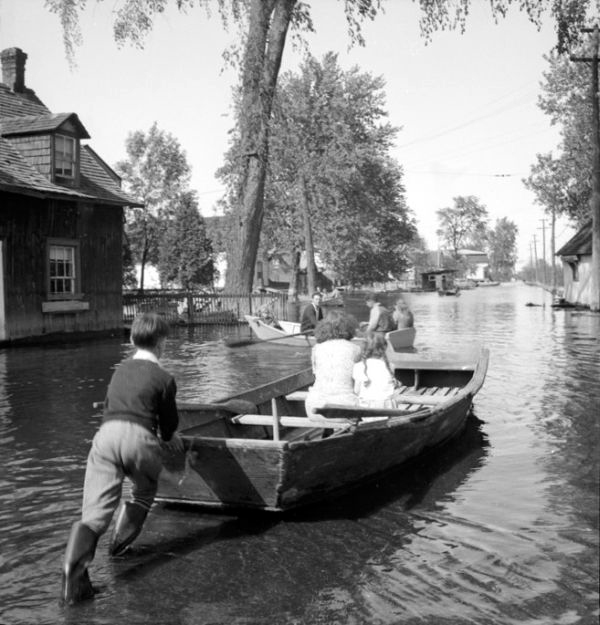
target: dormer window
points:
(65, 156)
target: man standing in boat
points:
(312, 314)
(380, 318)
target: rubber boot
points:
(76, 585)
(129, 524)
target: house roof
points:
(96, 181)
(33, 124)
(23, 114)
(18, 176)
(580, 244)
(19, 104)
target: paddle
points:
(251, 341)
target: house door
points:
(2, 316)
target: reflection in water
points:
(500, 526)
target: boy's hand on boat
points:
(175, 445)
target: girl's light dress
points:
(379, 392)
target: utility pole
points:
(543, 229)
(595, 198)
(553, 250)
(537, 279)
(531, 258)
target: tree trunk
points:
(293, 307)
(293, 288)
(308, 239)
(143, 267)
(595, 199)
(267, 31)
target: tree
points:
(330, 169)
(186, 255)
(155, 173)
(562, 183)
(266, 26)
(464, 221)
(502, 250)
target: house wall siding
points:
(579, 292)
(26, 223)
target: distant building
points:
(61, 219)
(437, 279)
(576, 256)
(478, 263)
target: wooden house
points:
(61, 220)
(576, 256)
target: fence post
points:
(190, 307)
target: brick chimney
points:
(13, 68)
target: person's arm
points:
(373, 318)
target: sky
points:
(466, 104)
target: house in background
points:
(61, 220)
(576, 256)
(478, 264)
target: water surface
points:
(500, 527)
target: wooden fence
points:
(197, 307)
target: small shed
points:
(437, 279)
(576, 256)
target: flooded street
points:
(499, 527)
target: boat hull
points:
(397, 339)
(235, 461)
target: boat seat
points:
(288, 422)
(297, 396)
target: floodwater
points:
(499, 527)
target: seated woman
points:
(374, 381)
(333, 358)
(266, 315)
(402, 315)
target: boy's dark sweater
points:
(142, 392)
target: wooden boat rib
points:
(258, 450)
(398, 339)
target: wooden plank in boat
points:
(405, 397)
(292, 422)
(337, 411)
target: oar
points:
(277, 338)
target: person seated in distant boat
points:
(402, 315)
(374, 380)
(312, 314)
(333, 358)
(266, 315)
(380, 318)
(140, 417)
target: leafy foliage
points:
(463, 222)
(265, 24)
(156, 173)
(562, 183)
(186, 254)
(502, 249)
(329, 165)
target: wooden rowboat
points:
(398, 339)
(258, 450)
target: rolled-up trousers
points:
(120, 449)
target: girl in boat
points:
(402, 315)
(374, 381)
(333, 358)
